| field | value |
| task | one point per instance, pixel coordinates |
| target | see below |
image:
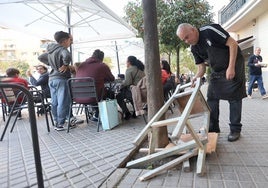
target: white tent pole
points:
(69, 30)
(117, 57)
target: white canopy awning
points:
(87, 20)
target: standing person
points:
(95, 68)
(255, 73)
(42, 80)
(59, 58)
(214, 45)
(134, 73)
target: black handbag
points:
(126, 92)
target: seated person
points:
(134, 73)
(139, 92)
(95, 68)
(13, 77)
(42, 80)
(167, 81)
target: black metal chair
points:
(42, 105)
(34, 133)
(83, 91)
(14, 101)
(3, 106)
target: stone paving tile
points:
(61, 155)
(171, 181)
(84, 183)
(185, 182)
(215, 183)
(249, 185)
(85, 157)
(200, 183)
(59, 181)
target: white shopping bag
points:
(108, 113)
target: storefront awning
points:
(246, 42)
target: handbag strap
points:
(135, 75)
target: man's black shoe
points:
(233, 136)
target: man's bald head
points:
(188, 33)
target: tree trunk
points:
(155, 96)
(178, 62)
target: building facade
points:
(247, 22)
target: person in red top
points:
(13, 77)
(167, 82)
(165, 71)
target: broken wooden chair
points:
(191, 104)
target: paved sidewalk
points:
(86, 158)
(240, 164)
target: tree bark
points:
(178, 62)
(155, 96)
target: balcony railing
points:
(230, 10)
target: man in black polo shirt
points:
(213, 45)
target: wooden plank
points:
(186, 163)
(186, 166)
(168, 165)
(200, 164)
(165, 122)
(152, 142)
(194, 135)
(165, 153)
(155, 118)
(183, 94)
(211, 145)
(170, 145)
(146, 150)
(185, 114)
(212, 141)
